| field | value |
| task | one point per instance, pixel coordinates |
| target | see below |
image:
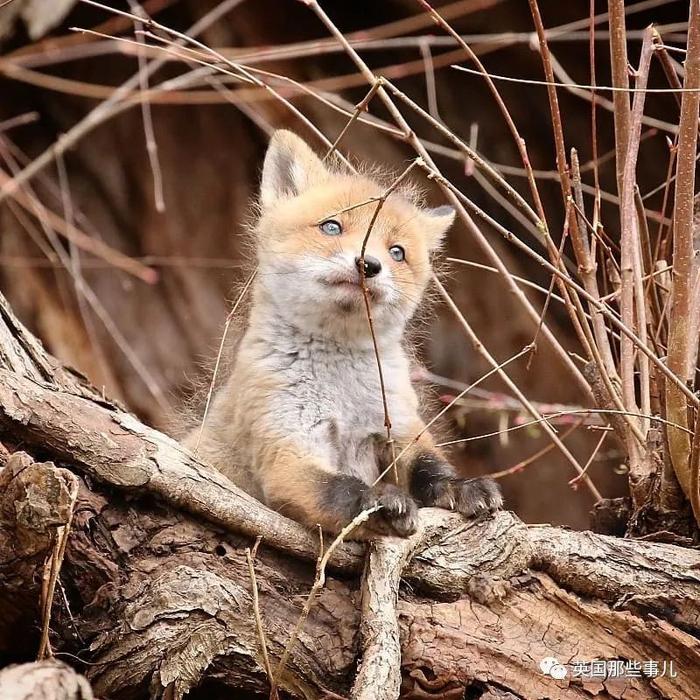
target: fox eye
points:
(398, 253)
(331, 227)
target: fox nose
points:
(372, 266)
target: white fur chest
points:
(329, 398)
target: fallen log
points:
(162, 601)
(155, 595)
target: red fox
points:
(299, 424)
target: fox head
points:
(313, 220)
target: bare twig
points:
(52, 571)
(151, 143)
(618, 61)
(601, 347)
(513, 387)
(318, 584)
(594, 122)
(478, 161)
(250, 558)
(106, 109)
(602, 307)
(600, 101)
(368, 309)
(237, 71)
(91, 245)
(591, 459)
(46, 219)
(430, 87)
(548, 418)
(575, 308)
(518, 140)
(464, 391)
(632, 297)
(523, 463)
(360, 107)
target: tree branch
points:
(162, 599)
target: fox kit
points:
(299, 424)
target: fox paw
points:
(477, 496)
(471, 497)
(398, 514)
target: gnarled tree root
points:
(155, 594)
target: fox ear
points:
(437, 222)
(290, 168)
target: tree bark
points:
(155, 596)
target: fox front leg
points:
(314, 494)
(432, 481)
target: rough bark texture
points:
(379, 674)
(161, 601)
(34, 501)
(156, 601)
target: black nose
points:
(372, 266)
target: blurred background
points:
(134, 292)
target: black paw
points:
(476, 496)
(398, 514)
(434, 483)
(468, 496)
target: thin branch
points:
(464, 391)
(71, 233)
(151, 143)
(360, 107)
(250, 558)
(568, 84)
(683, 249)
(603, 308)
(45, 219)
(106, 109)
(522, 464)
(494, 257)
(479, 347)
(591, 459)
(632, 290)
(587, 270)
(545, 419)
(318, 584)
(517, 139)
(368, 309)
(621, 102)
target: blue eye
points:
(398, 253)
(331, 227)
